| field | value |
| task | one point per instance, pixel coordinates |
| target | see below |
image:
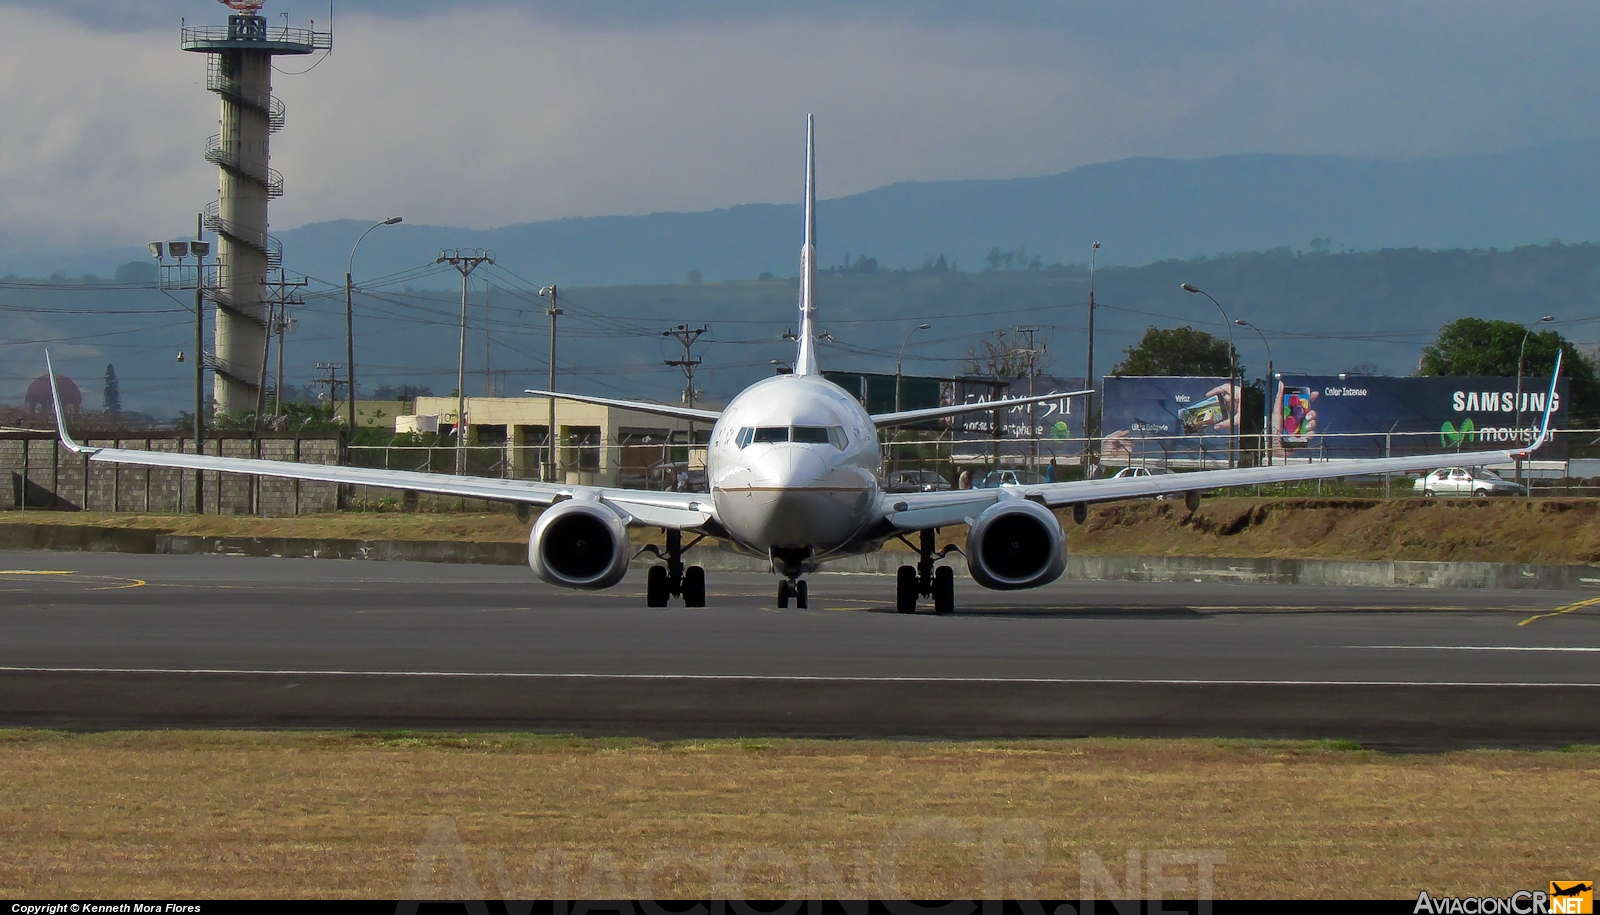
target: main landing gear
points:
(926, 580)
(673, 580)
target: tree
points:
(113, 391)
(1000, 354)
(1177, 351)
(1473, 346)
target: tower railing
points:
(249, 169)
(268, 245)
(205, 37)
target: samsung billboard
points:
(1369, 416)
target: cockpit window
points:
(805, 435)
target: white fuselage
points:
(794, 464)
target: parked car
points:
(1133, 472)
(997, 478)
(1127, 472)
(1465, 481)
(662, 477)
(917, 481)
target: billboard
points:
(1058, 424)
(1186, 419)
(1369, 416)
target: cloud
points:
(482, 114)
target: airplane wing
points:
(916, 416)
(638, 406)
(680, 510)
(915, 511)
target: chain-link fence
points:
(1567, 465)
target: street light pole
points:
(1090, 427)
(1521, 350)
(350, 331)
(900, 358)
(1233, 367)
(1266, 409)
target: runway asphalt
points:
(116, 641)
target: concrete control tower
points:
(239, 70)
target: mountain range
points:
(1142, 210)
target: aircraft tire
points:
(800, 595)
(656, 592)
(944, 590)
(783, 594)
(694, 586)
(905, 590)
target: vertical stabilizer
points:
(805, 362)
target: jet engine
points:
(580, 544)
(1016, 544)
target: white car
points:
(1128, 472)
(1465, 481)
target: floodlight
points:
(155, 249)
(199, 248)
(178, 248)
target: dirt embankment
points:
(1559, 531)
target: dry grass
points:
(227, 814)
(1452, 530)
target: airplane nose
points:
(792, 467)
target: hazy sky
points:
(483, 114)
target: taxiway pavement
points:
(117, 641)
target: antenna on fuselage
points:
(805, 362)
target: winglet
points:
(61, 415)
(1549, 406)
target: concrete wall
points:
(44, 475)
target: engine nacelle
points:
(580, 544)
(1016, 544)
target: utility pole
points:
(687, 336)
(275, 303)
(277, 392)
(554, 311)
(332, 380)
(1033, 371)
(465, 263)
(1091, 428)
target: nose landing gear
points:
(926, 580)
(797, 589)
(791, 564)
(674, 580)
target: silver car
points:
(1466, 481)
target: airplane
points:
(795, 472)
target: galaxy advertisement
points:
(1167, 419)
(1058, 423)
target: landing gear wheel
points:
(944, 590)
(694, 587)
(783, 594)
(800, 595)
(656, 590)
(905, 590)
